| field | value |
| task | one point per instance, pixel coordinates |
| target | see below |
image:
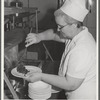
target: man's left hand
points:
(33, 77)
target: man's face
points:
(66, 29)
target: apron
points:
(69, 45)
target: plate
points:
(54, 91)
(15, 73)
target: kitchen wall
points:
(90, 20)
(46, 8)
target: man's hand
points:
(32, 38)
(33, 77)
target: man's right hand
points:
(32, 38)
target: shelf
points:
(14, 10)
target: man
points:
(77, 71)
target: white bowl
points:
(37, 96)
(39, 85)
(39, 89)
(40, 92)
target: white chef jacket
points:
(79, 61)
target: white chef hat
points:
(75, 9)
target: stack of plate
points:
(39, 90)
